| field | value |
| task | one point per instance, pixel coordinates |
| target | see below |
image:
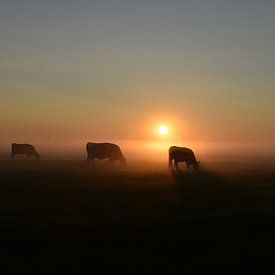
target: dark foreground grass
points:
(65, 217)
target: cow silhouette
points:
(104, 151)
(182, 154)
(24, 149)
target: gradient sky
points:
(115, 69)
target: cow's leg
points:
(176, 165)
(111, 161)
(170, 164)
(90, 159)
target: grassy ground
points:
(63, 217)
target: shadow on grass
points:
(202, 176)
(203, 193)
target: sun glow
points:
(163, 130)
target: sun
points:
(163, 130)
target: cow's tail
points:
(87, 146)
(12, 151)
(170, 160)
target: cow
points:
(104, 151)
(182, 154)
(24, 149)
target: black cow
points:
(104, 151)
(24, 149)
(182, 154)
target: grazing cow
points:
(24, 149)
(104, 151)
(182, 154)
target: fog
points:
(150, 150)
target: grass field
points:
(61, 217)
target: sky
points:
(110, 70)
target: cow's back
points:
(101, 150)
(104, 150)
(22, 148)
(182, 154)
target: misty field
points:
(63, 216)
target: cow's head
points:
(37, 157)
(196, 165)
(123, 161)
